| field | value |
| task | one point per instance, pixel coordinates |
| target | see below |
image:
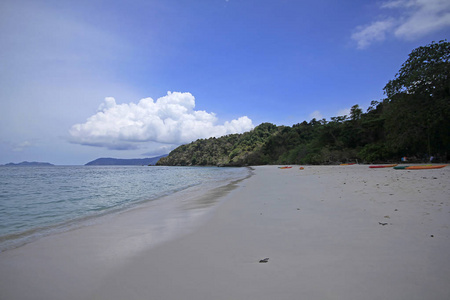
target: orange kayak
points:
(383, 166)
(425, 167)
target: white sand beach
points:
(330, 232)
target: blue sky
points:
(86, 79)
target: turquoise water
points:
(35, 200)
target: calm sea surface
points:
(36, 200)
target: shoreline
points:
(18, 239)
(320, 227)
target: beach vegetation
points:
(413, 120)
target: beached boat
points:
(349, 164)
(284, 167)
(424, 167)
(383, 166)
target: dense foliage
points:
(413, 120)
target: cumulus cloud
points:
(171, 119)
(411, 19)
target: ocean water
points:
(37, 201)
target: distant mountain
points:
(107, 161)
(32, 163)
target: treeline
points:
(413, 120)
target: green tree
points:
(355, 112)
(418, 103)
(426, 71)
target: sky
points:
(83, 79)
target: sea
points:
(36, 201)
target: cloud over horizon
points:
(316, 115)
(410, 20)
(170, 120)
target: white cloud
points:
(316, 115)
(343, 112)
(397, 3)
(366, 35)
(21, 146)
(425, 16)
(170, 119)
(319, 116)
(410, 19)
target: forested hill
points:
(229, 150)
(413, 120)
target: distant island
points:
(107, 161)
(31, 164)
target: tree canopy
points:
(425, 72)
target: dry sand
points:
(339, 232)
